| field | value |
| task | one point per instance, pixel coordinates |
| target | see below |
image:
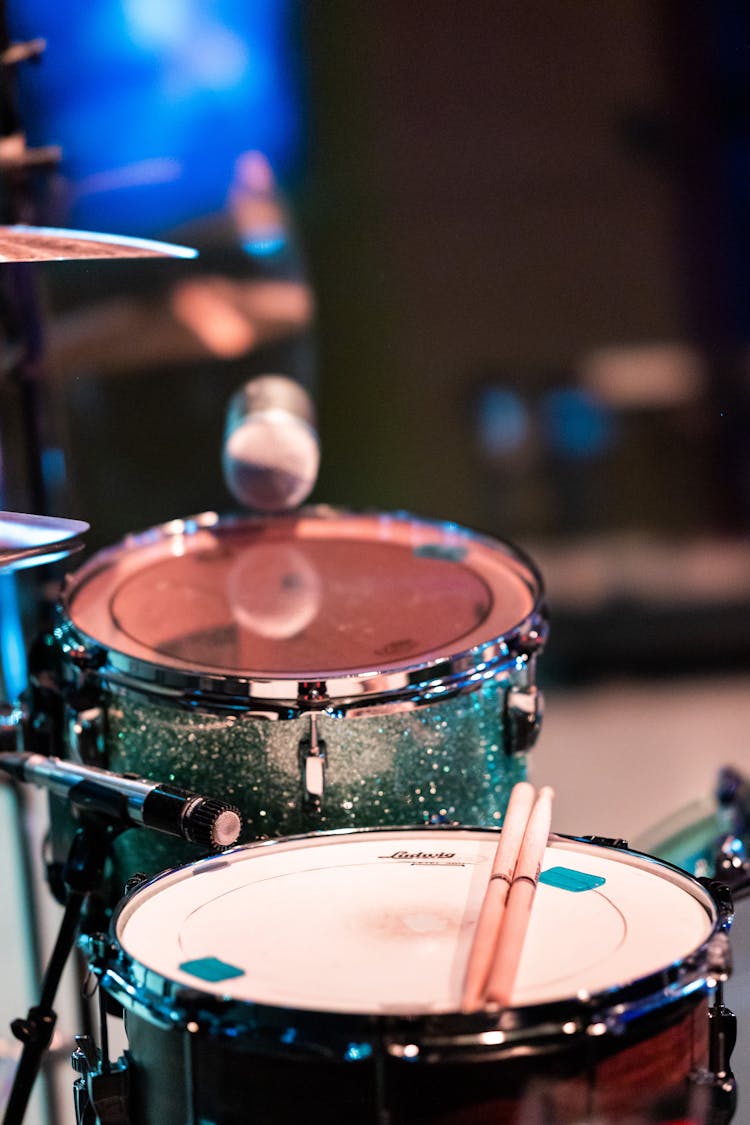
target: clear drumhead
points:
(381, 922)
(307, 597)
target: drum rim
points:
(444, 1035)
(403, 684)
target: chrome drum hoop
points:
(511, 661)
(397, 683)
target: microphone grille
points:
(213, 824)
(271, 452)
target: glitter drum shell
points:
(320, 978)
(321, 670)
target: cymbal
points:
(20, 243)
(27, 540)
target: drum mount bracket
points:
(719, 1078)
(101, 1091)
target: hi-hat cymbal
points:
(20, 243)
(27, 540)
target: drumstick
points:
(503, 972)
(496, 894)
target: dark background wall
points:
(495, 194)
(480, 211)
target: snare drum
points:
(319, 670)
(319, 979)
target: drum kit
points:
(361, 691)
(356, 695)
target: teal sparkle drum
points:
(319, 670)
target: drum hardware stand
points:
(722, 1038)
(101, 1091)
(83, 875)
(719, 1078)
(382, 1112)
(722, 1022)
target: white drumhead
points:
(382, 922)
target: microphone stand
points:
(105, 810)
(82, 875)
(21, 319)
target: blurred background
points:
(507, 252)
(507, 248)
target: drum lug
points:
(312, 760)
(722, 894)
(311, 692)
(533, 640)
(86, 735)
(96, 947)
(524, 707)
(133, 882)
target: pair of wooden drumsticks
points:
(506, 910)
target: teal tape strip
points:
(437, 551)
(567, 879)
(211, 969)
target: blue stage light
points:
(578, 425)
(153, 102)
(12, 644)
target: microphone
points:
(271, 452)
(136, 802)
